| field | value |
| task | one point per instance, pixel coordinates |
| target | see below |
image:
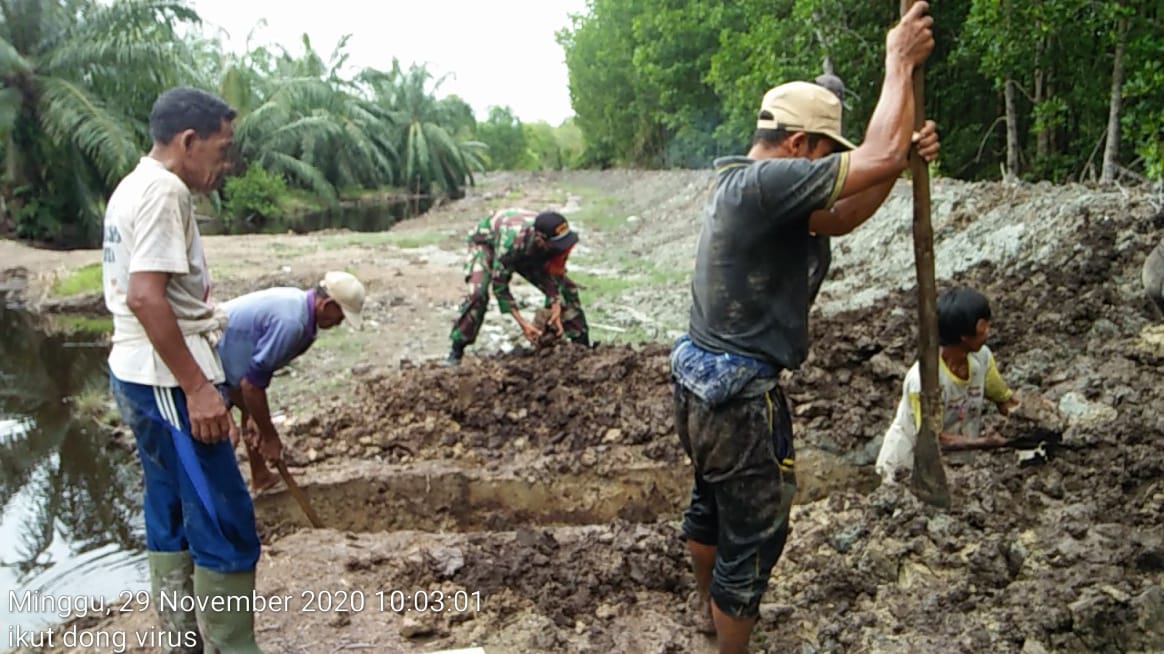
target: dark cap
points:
(557, 231)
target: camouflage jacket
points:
(509, 235)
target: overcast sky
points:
(500, 52)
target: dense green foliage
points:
(79, 77)
(254, 195)
(676, 82)
(78, 81)
(1022, 89)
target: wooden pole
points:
(929, 475)
(299, 495)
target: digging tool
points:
(929, 475)
(299, 495)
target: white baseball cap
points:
(348, 292)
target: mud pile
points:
(560, 402)
(1066, 555)
(1062, 555)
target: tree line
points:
(79, 78)
(1059, 90)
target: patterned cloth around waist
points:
(717, 378)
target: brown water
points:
(70, 506)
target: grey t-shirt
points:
(750, 291)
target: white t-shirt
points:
(961, 406)
(150, 227)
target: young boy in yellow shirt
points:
(966, 373)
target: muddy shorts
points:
(744, 482)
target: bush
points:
(255, 194)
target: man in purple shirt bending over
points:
(265, 330)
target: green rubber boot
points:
(231, 630)
(172, 573)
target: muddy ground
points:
(540, 493)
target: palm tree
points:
(78, 81)
(430, 155)
(300, 118)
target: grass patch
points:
(73, 323)
(598, 210)
(603, 286)
(86, 279)
(611, 298)
(300, 201)
(288, 250)
(405, 240)
(94, 402)
(636, 334)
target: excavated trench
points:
(445, 496)
(440, 497)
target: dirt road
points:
(529, 502)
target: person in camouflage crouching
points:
(535, 246)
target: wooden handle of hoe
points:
(299, 495)
(929, 475)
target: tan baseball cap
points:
(348, 292)
(804, 107)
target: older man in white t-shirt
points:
(166, 377)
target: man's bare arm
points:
(959, 442)
(257, 407)
(146, 297)
(849, 213)
(884, 153)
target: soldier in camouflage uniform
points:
(533, 245)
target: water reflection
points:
(69, 497)
(367, 217)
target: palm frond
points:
(306, 174)
(12, 63)
(149, 57)
(130, 18)
(10, 102)
(70, 114)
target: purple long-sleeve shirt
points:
(265, 330)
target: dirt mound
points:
(1063, 555)
(562, 576)
(564, 403)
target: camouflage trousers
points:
(471, 314)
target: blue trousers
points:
(195, 499)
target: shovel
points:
(299, 495)
(929, 476)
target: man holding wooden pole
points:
(749, 315)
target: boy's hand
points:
(532, 334)
(993, 439)
(210, 420)
(1005, 407)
